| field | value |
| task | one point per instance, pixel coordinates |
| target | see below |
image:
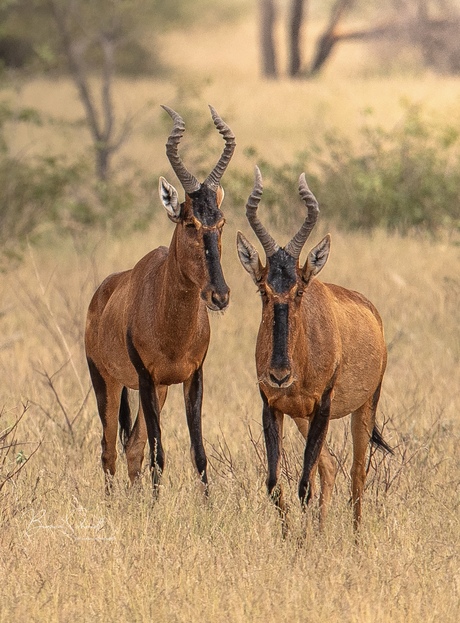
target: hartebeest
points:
(148, 327)
(320, 354)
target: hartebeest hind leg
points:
(108, 395)
(362, 425)
(193, 397)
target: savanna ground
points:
(68, 554)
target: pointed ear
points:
(170, 199)
(249, 257)
(316, 258)
(219, 195)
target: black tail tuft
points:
(124, 418)
(378, 441)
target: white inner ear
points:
(169, 198)
(248, 255)
(220, 194)
(317, 257)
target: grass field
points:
(68, 554)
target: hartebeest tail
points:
(320, 354)
(148, 328)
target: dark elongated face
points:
(203, 225)
(281, 290)
(281, 283)
(198, 241)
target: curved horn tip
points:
(172, 113)
(214, 112)
(303, 183)
(220, 124)
(257, 174)
(215, 115)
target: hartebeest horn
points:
(295, 246)
(269, 245)
(213, 179)
(189, 182)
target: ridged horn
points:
(213, 179)
(269, 245)
(295, 246)
(189, 182)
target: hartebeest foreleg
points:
(327, 469)
(136, 445)
(193, 397)
(315, 440)
(138, 438)
(272, 421)
(151, 408)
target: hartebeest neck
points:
(181, 304)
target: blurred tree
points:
(267, 10)
(430, 27)
(94, 40)
(295, 26)
(79, 33)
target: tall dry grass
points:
(68, 554)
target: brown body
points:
(336, 332)
(320, 355)
(147, 328)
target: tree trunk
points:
(102, 162)
(267, 42)
(295, 27)
(329, 38)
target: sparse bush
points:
(43, 191)
(403, 179)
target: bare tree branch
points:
(329, 38)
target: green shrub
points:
(405, 179)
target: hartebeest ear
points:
(316, 258)
(170, 199)
(249, 257)
(219, 195)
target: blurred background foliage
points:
(404, 179)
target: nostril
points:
(279, 381)
(220, 300)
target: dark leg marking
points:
(272, 445)
(315, 439)
(124, 418)
(100, 389)
(151, 410)
(193, 396)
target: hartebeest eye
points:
(299, 292)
